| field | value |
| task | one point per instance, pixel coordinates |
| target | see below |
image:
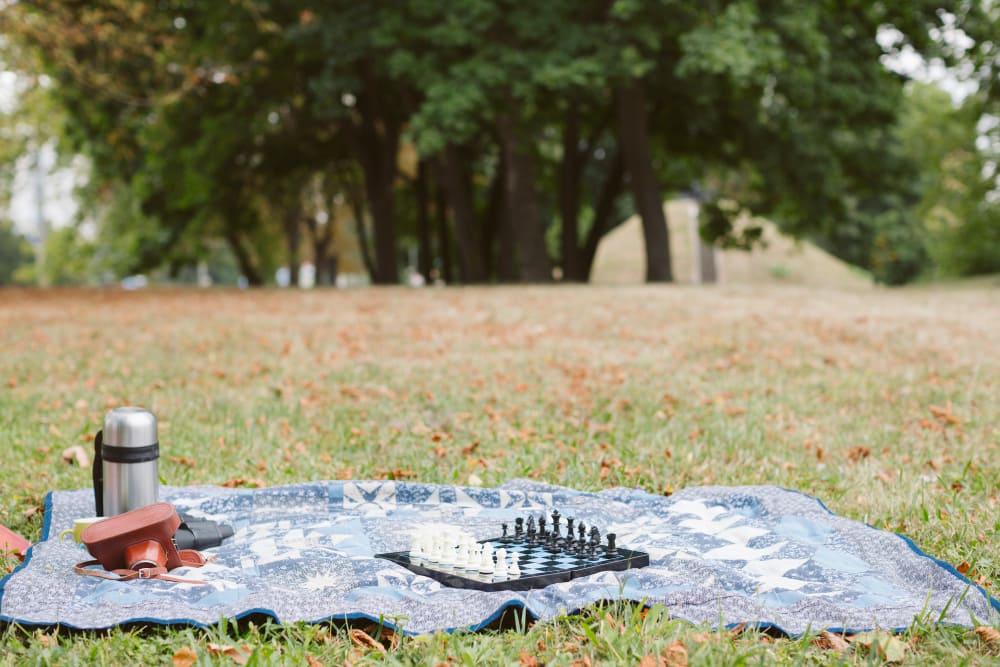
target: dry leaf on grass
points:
(363, 639)
(77, 454)
(889, 648)
(989, 635)
(312, 661)
(831, 641)
(528, 660)
(184, 657)
(675, 654)
(239, 654)
(244, 481)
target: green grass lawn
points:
(885, 404)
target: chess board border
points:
(624, 559)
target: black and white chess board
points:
(540, 557)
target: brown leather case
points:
(109, 539)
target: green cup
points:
(78, 526)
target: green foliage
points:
(68, 259)
(959, 207)
(214, 117)
(16, 255)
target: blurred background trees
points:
(491, 140)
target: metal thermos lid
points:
(130, 426)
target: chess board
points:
(541, 565)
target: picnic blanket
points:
(759, 555)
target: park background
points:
(787, 166)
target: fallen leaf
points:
(944, 413)
(78, 454)
(963, 567)
(244, 481)
(528, 660)
(239, 654)
(185, 461)
(882, 645)
(185, 657)
(989, 635)
(396, 473)
(855, 454)
(675, 654)
(363, 639)
(312, 661)
(831, 641)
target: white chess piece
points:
(462, 556)
(500, 571)
(447, 552)
(514, 571)
(475, 555)
(435, 552)
(486, 565)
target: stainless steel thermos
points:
(126, 467)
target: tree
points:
(958, 206)
(16, 254)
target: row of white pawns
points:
(461, 552)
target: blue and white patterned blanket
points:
(305, 552)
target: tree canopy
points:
(533, 128)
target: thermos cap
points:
(130, 426)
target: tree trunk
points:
(634, 135)
(320, 239)
(709, 274)
(603, 210)
(424, 256)
(358, 209)
(384, 228)
(376, 140)
(455, 176)
(493, 221)
(570, 173)
(291, 223)
(248, 267)
(522, 205)
(444, 242)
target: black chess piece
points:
(503, 527)
(541, 526)
(569, 529)
(611, 548)
(555, 522)
(518, 526)
(595, 541)
(531, 529)
(581, 530)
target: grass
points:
(884, 404)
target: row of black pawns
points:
(584, 543)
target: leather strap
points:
(189, 558)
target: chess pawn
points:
(514, 571)
(486, 565)
(447, 552)
(462, 556)
(475, 555)
(500, 571)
